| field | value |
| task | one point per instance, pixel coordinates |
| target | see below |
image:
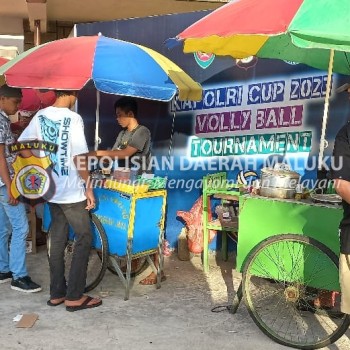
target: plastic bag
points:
(194, 223)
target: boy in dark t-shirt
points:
(132, 149)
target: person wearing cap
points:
(13, 217)
(340, 173)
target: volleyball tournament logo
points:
(204, 60)
(247, 63)
(33, 182)
(246, 177)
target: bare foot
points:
(152, 279)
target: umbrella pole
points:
(325, 111)
(97, 120)
(171, 141)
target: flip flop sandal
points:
(83, 305)
(50, 303)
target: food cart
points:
(288, 255)
(127, 225)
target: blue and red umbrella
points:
(114, 66)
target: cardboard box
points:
(27, 321)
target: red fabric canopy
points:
(32, 99)
(268, 17)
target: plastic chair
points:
(216, 186)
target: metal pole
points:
(97, 120)
(325, 112)
(37, 32)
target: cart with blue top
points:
(128, 229)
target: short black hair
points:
(60, 93)
(126, 104)
(8, 91)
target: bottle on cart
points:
(298, 192)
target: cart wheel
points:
(98, 258)
(281, 279)
(138, 265)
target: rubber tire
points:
(104, 256)
(309, 241)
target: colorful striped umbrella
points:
(303, 31)
(313, 32)
(115, 66)
(33, 99)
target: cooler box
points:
(135, 216)
(138, 216)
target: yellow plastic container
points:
(125, 187)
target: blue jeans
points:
(13, 219)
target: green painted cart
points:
(288, 255)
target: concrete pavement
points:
(175, 317)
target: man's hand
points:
(5, 175)
(12, 200)
(342, 187)
(80, 162)
(91, 202)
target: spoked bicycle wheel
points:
(98, 258)
(285, 281)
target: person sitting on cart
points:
(132, 149)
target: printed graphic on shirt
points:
(6, 137)
(63, 141)
(50, 132)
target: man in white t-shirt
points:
(71, 201)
